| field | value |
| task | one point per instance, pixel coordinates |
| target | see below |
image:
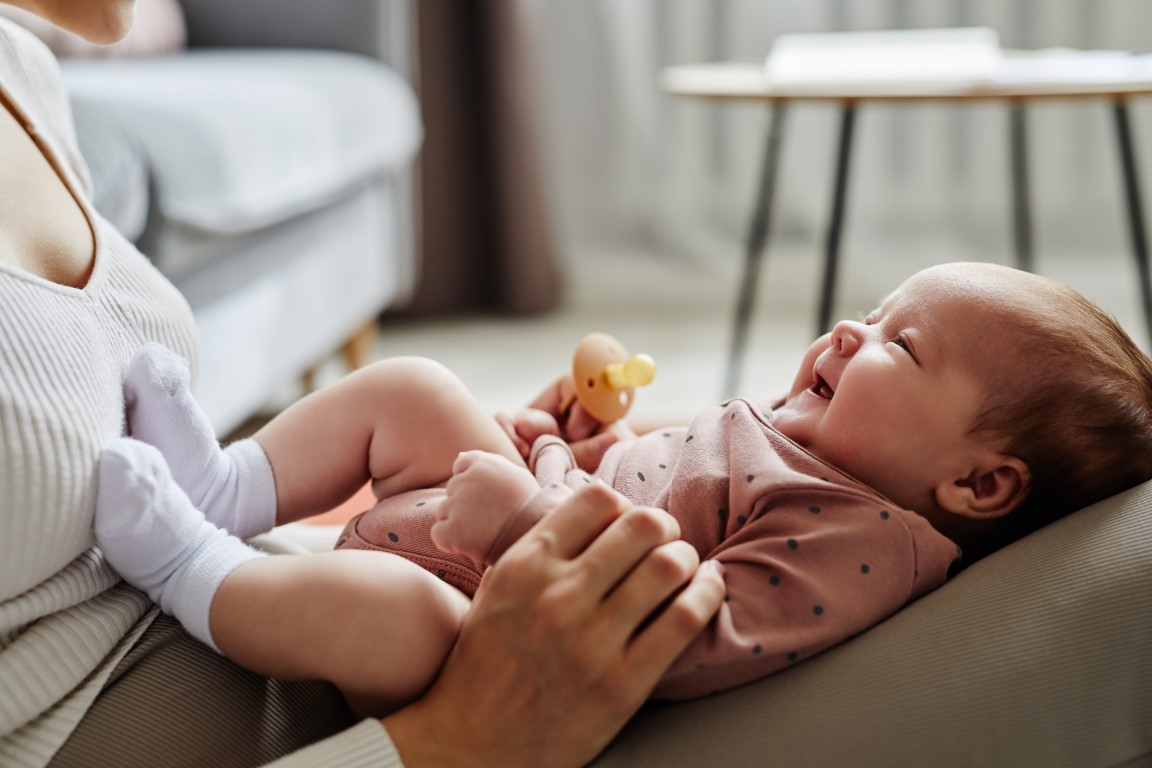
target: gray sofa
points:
(267, 171)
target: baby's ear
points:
(992, 489)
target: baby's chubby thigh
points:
(374, 624)
(427, 418)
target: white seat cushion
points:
(242, 139)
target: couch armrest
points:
(383, 29)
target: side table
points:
(1115, 77)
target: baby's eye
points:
(902, 342)
(868, 319)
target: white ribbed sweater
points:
(65, 617)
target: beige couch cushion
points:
(1040, 655)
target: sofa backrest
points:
(383, 29)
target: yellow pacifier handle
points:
(636, 371)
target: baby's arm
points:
(484, 493)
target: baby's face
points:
(891, 400)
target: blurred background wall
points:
(628, 164)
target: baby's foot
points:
(156, 540)
(234, 488)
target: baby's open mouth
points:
(821, 388)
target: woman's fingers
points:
(656, 578)
(577, 524)
(657, 645)
(623, 544)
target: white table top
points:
(1024, 74)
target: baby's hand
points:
(524, 425)
(486, 489)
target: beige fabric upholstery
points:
(1040, 655)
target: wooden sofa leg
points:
(358, 348)
(355, 352)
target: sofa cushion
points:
(118, 166)
(243, 139)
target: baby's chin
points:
(785, 421)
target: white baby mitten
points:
(156, 540)
(233, 487)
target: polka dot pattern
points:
(784, 514)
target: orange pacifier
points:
(605, 376)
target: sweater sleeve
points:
(802, 576)
(365, 745)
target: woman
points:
(89, 674)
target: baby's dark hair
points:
(1070, 395)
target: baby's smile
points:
(824, 380)
(822, 389)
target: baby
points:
(976, 404)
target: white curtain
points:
(630, 164)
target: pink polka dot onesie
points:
(809, 556)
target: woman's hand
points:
(560, 646)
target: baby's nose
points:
(846, 338)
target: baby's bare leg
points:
(374, 624)
(400, 423)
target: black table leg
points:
(835, 226)
(754, 249)
(1135, 206)
(1021, 203)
